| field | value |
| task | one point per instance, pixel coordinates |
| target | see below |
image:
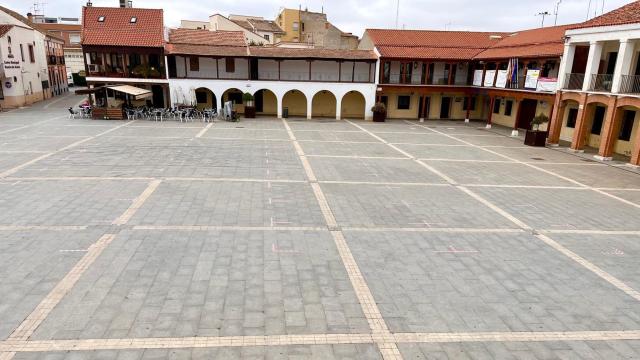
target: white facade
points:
(73, 59)
(21, 77)
(602, 41)
(183, 91)
(219, 22)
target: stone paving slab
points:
(9, 160)
(59, 203)
(496, 174)
(116, 157)
(531, 154)
(633, 196)
(449, 152)
(258, 123)
(327, 135)
(246, 133)
(349, 149)
(597, 175)
(31, 264)
(600, 350)
(616, 254)
(564, 209)
(186, 132)
(438, 282)
(54, 129)
(373, 206)
(9, 142)
(414, 137)
(372, 170)
(490, 139)
(226, 283)
(307, 352)
(231, 204)
(392, 125)
(331, 125)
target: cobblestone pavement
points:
(303, 239)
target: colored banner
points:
(477, 78)
(489, 77)
(547, 84)
(501, 80)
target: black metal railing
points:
(601, 82)
(573, 82)
(630, 84)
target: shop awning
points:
(136, 92)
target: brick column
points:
(490, 117)
(557, 118)
(580, 131)
(468, 116)
(610, 131)
(635, 153)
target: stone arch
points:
(235, 95)
(570, 96)
(324, 104)
(596, 98)
(205, 98)
(296, 101)
(628, 102)
(353, 105)
(266, 102)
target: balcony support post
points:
(623, 64)
(490, 117)
(593, 63)
(557, 118)
(635, 153)
(468, 115)
(580, 131)
(568, 57)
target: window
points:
(32, 57)
(628, 119)
(230, 65)
(598, 119)
(74, 38)
(266, 37)
(508, 107)
(194, 63)
(385, 100)
(22, 52)
(386, 72)
(572, 117)
(471, 106)
(100, 18)
(134, 20)
(296, 26)
(406, 70)
(496, 106)
(404, 102)
(302, 26)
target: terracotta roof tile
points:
(265, 25)
(628, 14)
(532, 43)
(117, 29)
(206, 37)
(4, 29)
(428, 44)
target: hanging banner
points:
(547, 84)
(531, 82)
(477, 78)
(489, 77)
(501, 80)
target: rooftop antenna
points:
(447, 26)
(397, 12)
(589, 9)
(543, 14)
(556, 11)
(602, 13)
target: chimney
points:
(89, 3)
(126, 3)
(30, 17)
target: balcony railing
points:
(141, 72)
(573, 82)
(630, 84)
(601, 82)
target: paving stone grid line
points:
(386, 341)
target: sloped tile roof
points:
(4, 29)
(628, 14)
(205, 50)
(304, 53)
(266, 26)
(528, 43)
(117, 29)
(206, 37)
(429, 44)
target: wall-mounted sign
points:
(11, 64)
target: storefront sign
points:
(531, 82)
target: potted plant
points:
(536, 137)
(379, 112)
(249, 106)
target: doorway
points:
(445, 108)
(158, 96)
(253, 65)
(526, 113)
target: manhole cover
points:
(538, 159)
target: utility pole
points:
(543, 14)
(557, 10)
(397, 13)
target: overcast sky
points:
(356, 15)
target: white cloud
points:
(356, 15)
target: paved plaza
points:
(309, 239)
